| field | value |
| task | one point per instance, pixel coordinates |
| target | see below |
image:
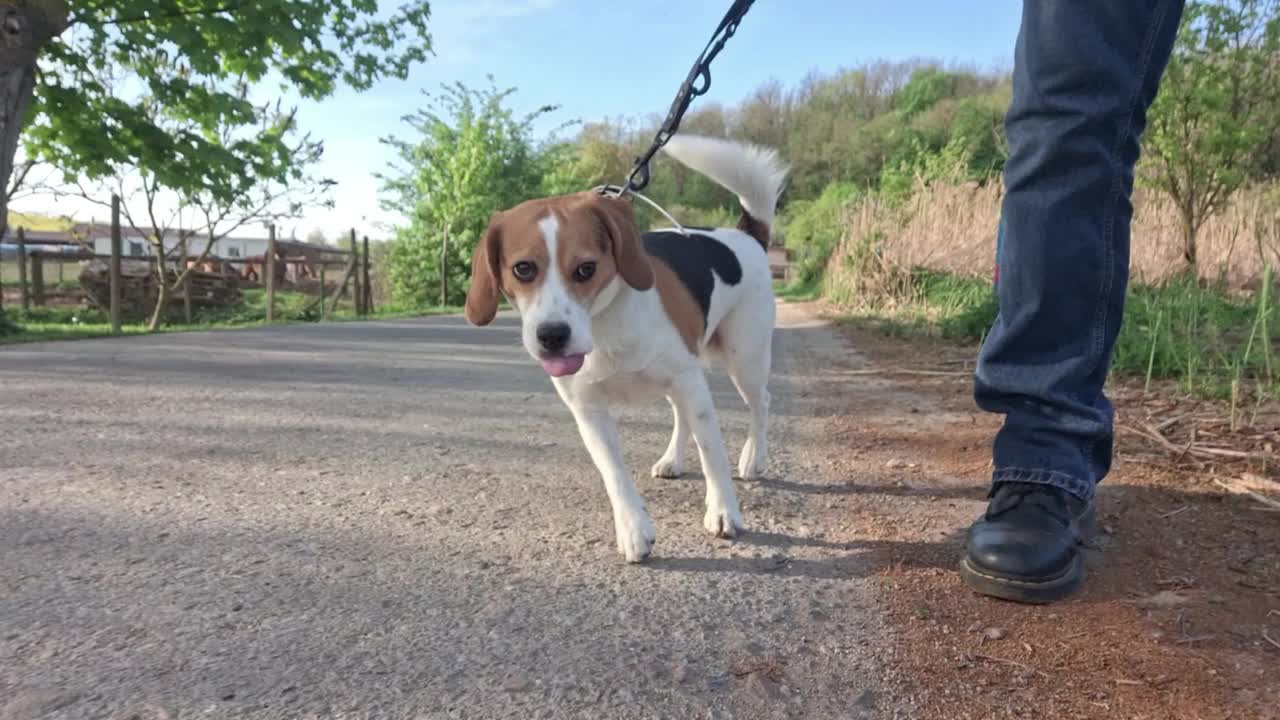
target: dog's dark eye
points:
(584, 271)
(524, 270)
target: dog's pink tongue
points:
(562, 365)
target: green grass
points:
(1211, 343)
(798, 291)
(934, 304)
(61, 323)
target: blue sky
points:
(610, 59)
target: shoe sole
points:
(1034, 592)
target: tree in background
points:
(175, 217)
(470, 155)
(193, 59)
(1217, 111)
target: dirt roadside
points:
(1180, 615)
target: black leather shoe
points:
(1027, 546)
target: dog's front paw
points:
(636, 535)
(723, 521)
(668, 468)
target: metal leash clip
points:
(638, 178)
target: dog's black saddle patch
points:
(694, 258)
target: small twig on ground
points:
(1171, 421)
(1190, 444)
(1123, 681)
(1006, 661)
(1191, 448)
(1191, 640)
(1150, 434)
(1270, 639)
(1256, 497)
(1223, 452)
(1173, 513)
(770, 668)
(907, 371)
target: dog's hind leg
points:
(747, 354)
(693, 398)
(671, 464)
(751, 375)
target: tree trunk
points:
(162, 291)
(157, 313)
(1189, 250)
(26, 26)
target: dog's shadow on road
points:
(813, 554)
(842, 561)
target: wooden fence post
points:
(368, 290)
(23, 291)
(357, 296)
(269, 268)
(324, 315)
(37, 278)
(342, 285)
(117, 243)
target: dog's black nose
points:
(553, 336)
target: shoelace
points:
(1014, 495)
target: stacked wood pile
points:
(140, 287)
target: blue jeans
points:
(1085, 72)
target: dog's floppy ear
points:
(482, 296)
(619, 219)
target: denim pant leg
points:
(1085, 72)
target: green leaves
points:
(469, 156)
(1218, 108)
(154, 84)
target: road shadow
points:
(904, 488)
(1143, 546)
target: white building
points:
(135, 244)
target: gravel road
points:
(397, 520)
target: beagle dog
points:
(617, 316)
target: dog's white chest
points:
(636, 387)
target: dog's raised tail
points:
(755, 174)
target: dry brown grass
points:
(952, 228)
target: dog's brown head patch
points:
(593, 239)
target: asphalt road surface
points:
(397, 520)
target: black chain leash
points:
(638, 178)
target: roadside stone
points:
(517, 683)
(762, 687)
